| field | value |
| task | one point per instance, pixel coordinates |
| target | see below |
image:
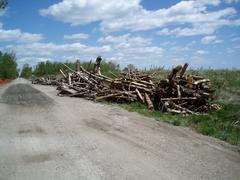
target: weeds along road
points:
(43, 136)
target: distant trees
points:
(52, 68)
(8, 66)
(130, 67)
(26, 71)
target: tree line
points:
(49, 68)
(8, 66)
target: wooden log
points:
(100, 77)
(148, 101)
(175, 111)
(96, 67)
(182, 108)
(183, 70)
(78, 66)
(139, 95)
(64, 75)
(133, 86)
(201, 81)
(174, 72)
(68, 67)
(109, 95)
(176, 99)
(69, 79)
(179, 91)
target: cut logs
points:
(180, 93)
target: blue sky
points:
(141, 32)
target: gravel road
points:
(43, 136)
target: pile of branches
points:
(130, 87)
(46, 81)
(184, 93)
(81, 83)
(180, 93)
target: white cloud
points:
(201, 52)
(204, 24)
(19, 36)
(78, 36)
(126, 40)
(210, 40)
(124, 49)
(79, 12)
(117, 15)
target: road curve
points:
(43, 136)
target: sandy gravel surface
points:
(43, 136)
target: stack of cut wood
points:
(183, 93)
(130, 87)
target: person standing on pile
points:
(96, 67)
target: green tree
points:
(26, 71)
(8, 66)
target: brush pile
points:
(46, 81)
(130, 87)
(180, 93)
(184, 93)
(82, 83)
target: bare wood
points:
(183, 109)
(101, 77)
(96, 67)
(78, 66)
(183, 70)
(179, 91)
(174, 72)
(148, 100)
(175, 111)
(68, 67)
(69, 79)
(64, 75)
(182, 98)
(201, 81)
(139, 95)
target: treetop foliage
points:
(52, 68)
(8, 66)
(26, 71)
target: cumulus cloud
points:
(78, 36)
(126, 40)
(18, 36)
(210, 40)
(125, 49)
(77, 12)
(117, 15)
(201, 52)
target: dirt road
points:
(43, 136)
